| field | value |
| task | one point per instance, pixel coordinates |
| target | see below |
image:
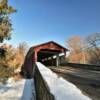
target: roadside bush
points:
(5, 73)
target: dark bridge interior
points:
(46, 56)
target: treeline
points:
(84, 50)
(12, 59)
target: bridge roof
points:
(48, 49)
(50, 44)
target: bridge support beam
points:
(52, 60)
(57, 60)
(64, 57)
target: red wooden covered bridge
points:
(44, 53)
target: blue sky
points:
(38, 21)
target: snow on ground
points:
(60, 88)
(29, 91)
(18, 90)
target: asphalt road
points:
(87, 81)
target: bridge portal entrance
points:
(48, 53)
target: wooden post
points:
(57, 60)
(52, 60)
(60, 59)
(35, 55)
(47, 61)
(64, 56)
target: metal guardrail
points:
(83, 66)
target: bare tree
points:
(93, 41)
(23, 48)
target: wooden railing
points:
(42, 89)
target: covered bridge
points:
(44, 53)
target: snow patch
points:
(18, 90)
(29, 90)
(60, 88)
